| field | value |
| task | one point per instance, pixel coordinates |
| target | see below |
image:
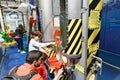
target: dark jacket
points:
(19, 32)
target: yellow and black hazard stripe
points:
(51, 52)
(62, 77)
(65, 77)
(95, 7)
(74, 45)
(79, 68)
(74, 37)
(52, 70)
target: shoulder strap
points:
(14, 70)
(26, 77)
(30, 75)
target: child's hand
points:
(52, 42)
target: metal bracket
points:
(98, 66)
(83, 10)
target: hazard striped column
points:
(95, 7)
(74, 46)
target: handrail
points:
(109, 52)
(111, 65)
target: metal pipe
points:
(2, 20)
(85, 35)
(111, 65)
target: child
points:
(42, 68)
(35, 43)
(18, 37)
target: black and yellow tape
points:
(79, 68)
(51, 52)
(74, 37)
(94, 22)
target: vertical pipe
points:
(63, 21)
(1, 20)
(85, 35)
(74, 7)
(26, 22)
(38, 15)
(46, 19)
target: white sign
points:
(57, 21)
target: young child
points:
(18, 37)
(35, 43)
(42, 68)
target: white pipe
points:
(46, 19)
(1, 21)
(85, 35)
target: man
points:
(33, 61)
